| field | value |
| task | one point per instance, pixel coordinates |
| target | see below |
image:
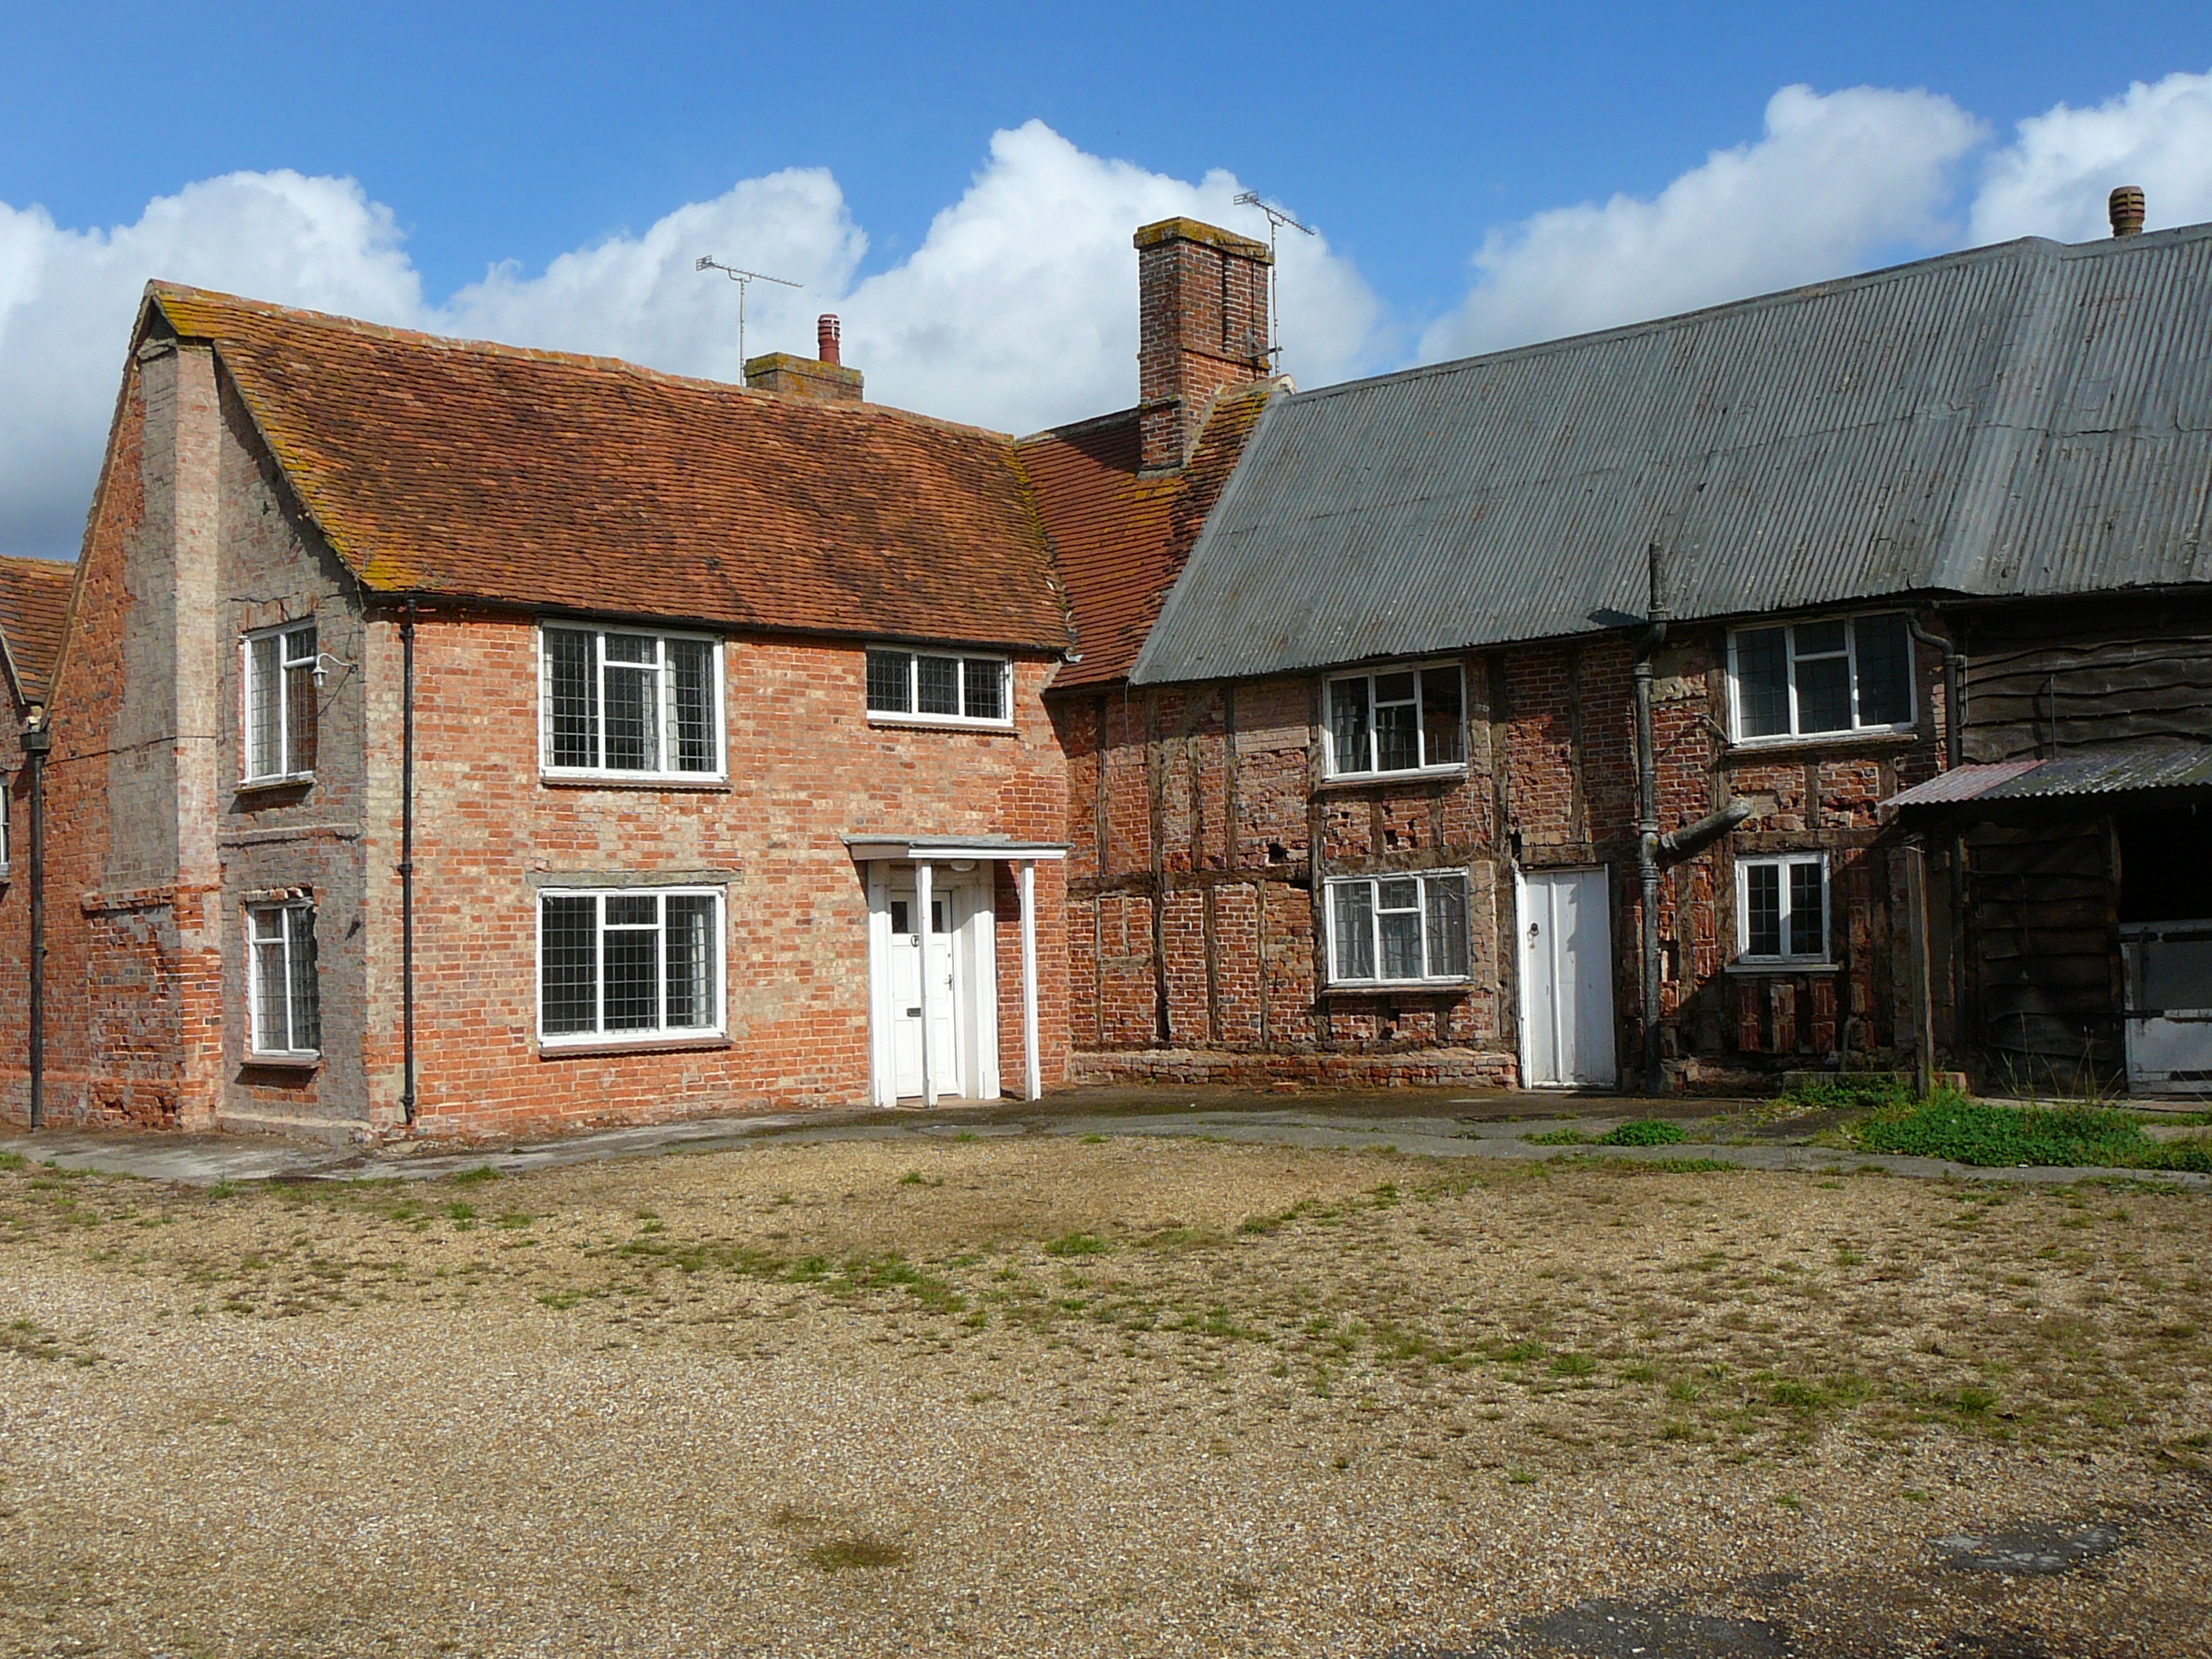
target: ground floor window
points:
(281, 989)
(1782, 908)
(630, 963)
(1393, 929)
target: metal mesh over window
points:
(983, 688)
(264, 707)
(690, 956)
(1823, 677)
(286, 1013)
(938, 685)
(1763, 682)
(1355, 930)
(632, 682)
(1397, 915)
(1442, 744)
(572, 700)
(1397, 723)
(1763, 910)
(1884, 670)
(299, 701)
(1348, 725)
(1447, 926)
(568, 969)
(1807, 930)
(691, 674)
(888, 690)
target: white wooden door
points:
(1566, 980)
(905, 990)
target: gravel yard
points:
(1035, 1395)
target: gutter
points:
(1647, 818)
(38, 743)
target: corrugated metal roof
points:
(2031, 418)
(2092, 771)
(1961, 783)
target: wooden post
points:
(1033, 1080)
(1922, 989)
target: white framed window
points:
(629, 962)
(1782, 908)
(1396, 720)
(281, 987)
(1803, 679)
(620, 702)
(1397, 930)
(942, 689)
(280, 703)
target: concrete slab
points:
(1433, 1123)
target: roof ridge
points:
(2102, 247)
(158, 288)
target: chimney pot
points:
(2126, 210)
(826, 334)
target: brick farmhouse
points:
(457, 737)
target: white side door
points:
(1566, 986)
(905, 993)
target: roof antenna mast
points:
(744, 279)
(1276, 219)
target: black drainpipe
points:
(1955, 692)
(38, 742)
(407, 861)
(1647, 820)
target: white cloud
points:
(1018, 311)
(67, 298)
(2054, 178)
(1836, 179)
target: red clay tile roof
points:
(443, 466)
(33, 598)
(1122, 539)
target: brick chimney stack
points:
(822, 377)
(1203, 307)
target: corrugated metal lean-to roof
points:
(2031, 418)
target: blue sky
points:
(945, 175)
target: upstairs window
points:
(281, 984)
(1782, 908)
(280, 703)
(620, 704)
(1851, 674)
(1398, 929)
(1402, 719)
(948, 690)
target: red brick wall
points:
(805, 767)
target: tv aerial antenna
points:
(744, 279)
(1276, 219)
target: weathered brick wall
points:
(805, 767)
(1551, 783)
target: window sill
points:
(1772, 969)
(290, 1062)
(1394, 987)
(555, 1049)
(938, 723)
(1411, 775)
(700, 783)
(1885, 737)
(262, 785)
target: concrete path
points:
(1433, 1123)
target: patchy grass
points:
(1990, 1136)
(1644, 1132)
